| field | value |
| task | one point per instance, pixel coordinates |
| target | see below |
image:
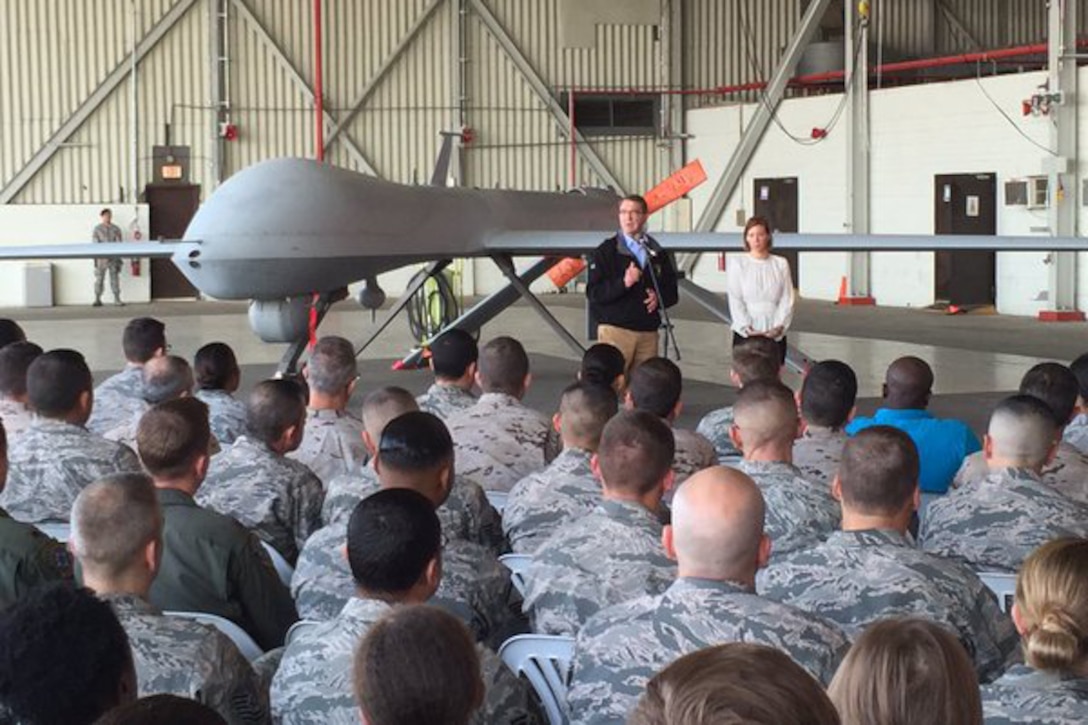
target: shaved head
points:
(717, 524)
(765, 412)
(908, 383)
(382, 406)
(1022, 431)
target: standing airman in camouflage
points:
(756, 359)
(871, 569)
(15, 359)
(117, 537)
(993, 524)
(217, 378)
(499, 440)
(453, 359)
(567, 489)
(28, 558)
(254, 481)
(333, 443)
(655, 387)
(210, 562)
(57, 456)
(394, 549)
(718, 542)
(614, 553)
(827, 403)
(121, 396)
(799, 513)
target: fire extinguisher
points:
(135, 262)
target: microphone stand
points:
(662, 312)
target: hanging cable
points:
(433, 307)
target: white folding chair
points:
(59, 530)
(497, 499)
(517, 564)
(926, 500)
(297, 628)
(249, 649)
(285, 570)
(544, 660)
(1001, 584)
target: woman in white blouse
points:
(760, 288)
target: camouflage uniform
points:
(543, 502)
(226, 415)
(182, 657)
(1076, 432)
(817, 454)
(332, 443)
(125, 433)
(445, 400)
(474, 587)
(28, 558)
(499, 441)
(465, 515)
(858, 577)
(1067, 473)
(715, 427)
(52, 462)
(117, 399)
(313, 683)
(693, 453)
(995, 523)
(279, 499)
(1025, 696)
(609, 556)
(622, 647)
(16, 417)
(799, 513)
(211, 563)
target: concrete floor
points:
(977, 358)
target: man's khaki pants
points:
(637, 347)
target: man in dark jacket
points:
(621, 289)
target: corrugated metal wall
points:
(53, 53)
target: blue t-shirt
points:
(942, 443)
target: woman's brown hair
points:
(758, 221)
(1052, 605)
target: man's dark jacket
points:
(614, 304)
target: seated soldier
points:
(394, 548)
(994, 523)
(28, 558)
(217, 379)
(799, 513)
(255, 482)
(754, 360)
(452, 359)
(613, 553)
(57, 456)
(942, 443)
(908, 672)
(210, 562)
(117, 538)
(167, 377)
(734, 683)
(872, 569)
(418, 664)
(476, 519)
(827, 403)
(15, 360)
(333, 442)
(1055, 385)
(120, 397)
(64, 658)
(717, 540)
(656, 386)
(603, 364)
(415, 452)
(10, 332)
(1076, 433)
(544, 501)
(499, 440)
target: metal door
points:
(171, 208)
(965, 204)
(776, 200)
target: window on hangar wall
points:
(602, 114)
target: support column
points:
(1062, 168)
(856, 63)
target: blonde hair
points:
(1052, 598)
(906, 672)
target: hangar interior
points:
(965, 119)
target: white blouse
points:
(760, 293)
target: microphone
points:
(641, 240)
